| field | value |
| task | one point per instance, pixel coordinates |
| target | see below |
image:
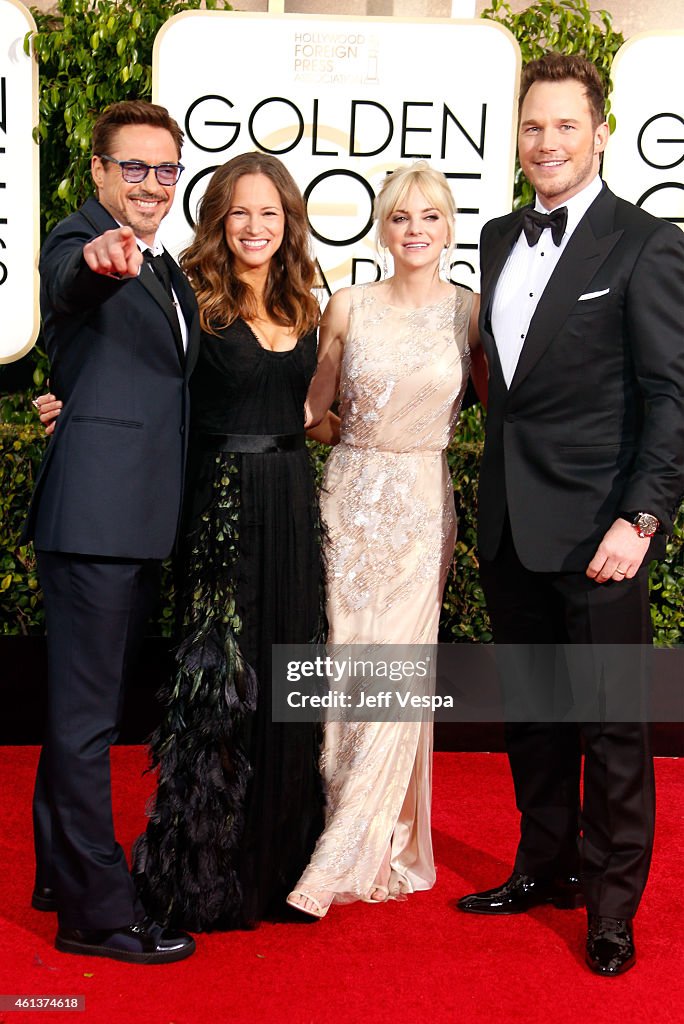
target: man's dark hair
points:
(132, 112)
(559, 67)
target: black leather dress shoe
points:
(43, 898)
(610, 945)
(144, 942)
(523, 892)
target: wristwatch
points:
(643, 522)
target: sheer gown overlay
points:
(388, 508)
(239, 800)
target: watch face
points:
(646, 524)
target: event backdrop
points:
(19, 200)
(644, 161)
(343, 101)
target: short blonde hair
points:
(397, 185)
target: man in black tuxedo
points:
(121, 330)
(582, 320)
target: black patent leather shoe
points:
(523, 892)
(610, 945)
(43, 898)
(144, 942)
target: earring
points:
(384, 262)
(444, 261)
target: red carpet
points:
(399, 963)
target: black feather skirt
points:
(239, 800)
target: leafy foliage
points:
(21, 606)
(90, 54)
(21, 449)
(667, 590)
(464, 615)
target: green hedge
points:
(21, 609)
(464, 617)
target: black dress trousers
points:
(610, 838)
(96, 610)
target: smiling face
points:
(415, 232)
(255, 223)
(142, 206)
(558, 145)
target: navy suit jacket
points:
(593, 421)
(112, 477)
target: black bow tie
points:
(160, 270)
(534, 223)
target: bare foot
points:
(380, 890)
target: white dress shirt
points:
(525, 276)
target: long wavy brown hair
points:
(208, 262)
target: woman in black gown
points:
(239, 802)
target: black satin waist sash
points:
(253, 444)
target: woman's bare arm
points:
(333, 331)
(479, 371)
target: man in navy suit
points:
(582, 318)
(121, 331)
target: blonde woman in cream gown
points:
(398, 352)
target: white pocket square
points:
(593, 295)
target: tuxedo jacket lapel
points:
(500, 253)
(491, 271)
(188, 304)
(99, 219)
(153, 286)
(591, 243)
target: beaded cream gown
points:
(388, 508)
